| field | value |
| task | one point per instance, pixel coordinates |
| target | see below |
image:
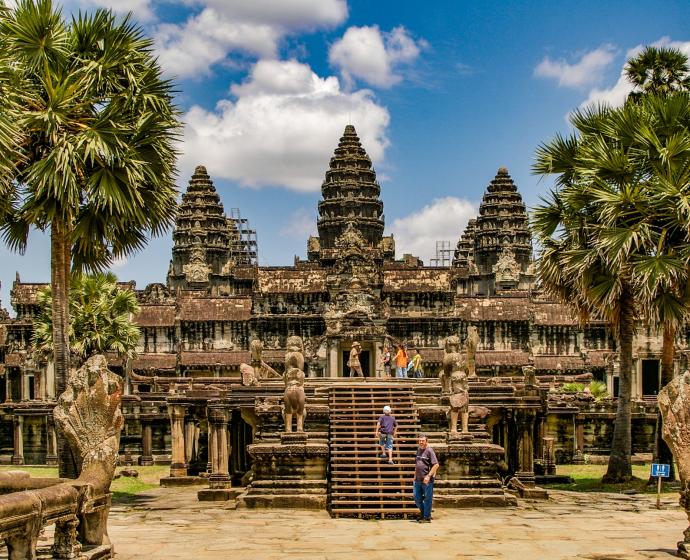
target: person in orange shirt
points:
(400, 362)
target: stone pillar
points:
(579, 456)
(18, 456)
(333, 360)
(51, 456)
(189, 432)
(549, 455)
(218, 447)
(8, 386)
(146, 457)
(38, 386)
(525, 446)
(178, 466)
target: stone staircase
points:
(361, 484)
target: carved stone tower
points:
(351, 197)
(496, 248)
(207, 244)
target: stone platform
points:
(170, 524)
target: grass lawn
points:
(587, 478)
(124, 489)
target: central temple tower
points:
(351, 200)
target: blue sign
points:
(661, 470)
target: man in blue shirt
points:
(386, 428)
(425, 469)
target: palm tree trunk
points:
(662, 453)
(620, 465)
(60, 255)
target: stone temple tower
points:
(350, 199)
(207, 244)
(496, 248)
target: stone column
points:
(146, 457)
(218, 447)
(178, 466)
(18, 456)
(51, 456)
(189, 432)
(579, 456)
(525, 450)
(8, 386)
(334, 360)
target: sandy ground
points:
(172, 524)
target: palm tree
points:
(659, 128)
(583, 260)
(101, 316)
(658, 71)
(95, 157)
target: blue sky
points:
(442, 96)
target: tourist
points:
(386, 359)
(400, 362)
(386, 428)
(424, 472)
(353, 363)
(415, 365)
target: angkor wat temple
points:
(185, 386)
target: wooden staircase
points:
(362, 484)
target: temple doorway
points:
(363, 359)
(650, 377)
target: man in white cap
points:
(386, 428)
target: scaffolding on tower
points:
(444, 254)
(244, 248)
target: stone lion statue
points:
(294, 398)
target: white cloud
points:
(616, 94)
(300, 224)
(281, 128)
(226, 26)
(586, 71)
(374, 56)
(442, 220)
(142, 9)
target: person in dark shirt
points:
(424, 472)
(386, 428)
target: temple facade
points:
(197, 328)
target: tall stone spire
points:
(350, 199)
(496, 248)
(206, 242)
(502, 225)
(464, 251)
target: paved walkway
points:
(172, 524)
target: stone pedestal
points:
(146, 457)
(467, 473)
(290, 473)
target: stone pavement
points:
(172, 524)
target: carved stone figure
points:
(294, 398)
(459, 402)
(89, 416)
(249, 375)
(471, 346)
(529, 375)
(453, 360)
(507, 269)
(674, 403)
